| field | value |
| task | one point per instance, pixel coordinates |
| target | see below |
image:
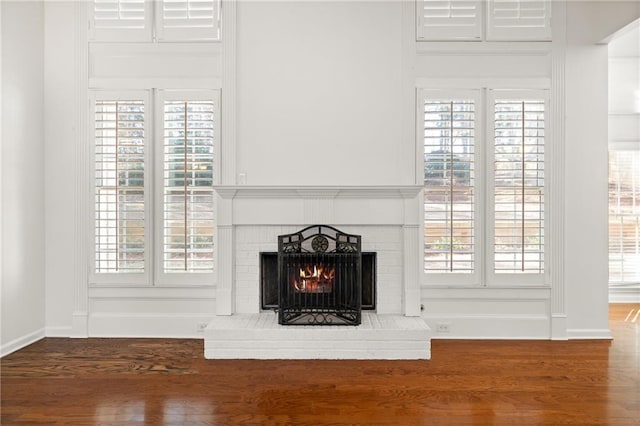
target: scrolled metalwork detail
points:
(320, 244)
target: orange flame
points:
(315, 279)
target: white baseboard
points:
(489, 327)
(58, 331)
(589, 334)
(79, 325)
(160, 325)
(559, 327)
(21, 342)
(624, 295)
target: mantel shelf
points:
(327, 192)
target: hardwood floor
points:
(162, 381)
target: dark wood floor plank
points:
(167, 381)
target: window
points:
(624, 216)
(461, 163)
(174, 230)
(188, 20)
(450, 183)
(519, 20)
(449, 19)
(161, 20)
(493, 20)
(121, 177)
(187, 184)
(120, 20)
(518, 185)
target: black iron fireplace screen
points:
(319, 277)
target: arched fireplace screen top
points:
(319, 277)
(319, 239)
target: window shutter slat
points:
(119, 186)
(519, 20)
(188, 216)
(189, 20)
(448, 20)
(519, 186)
(449, 186)
(120, 20)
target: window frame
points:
(484, 275)
(153, 275)
(112, 278)
(162, 278)
(453, 278)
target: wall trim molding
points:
(559, 327)
(59, 331)
(624, 294)
(589, 334)
(489, 327)
(557, 179)
(149, 325)
(482, 48)
(21, 342)
(153, 293)
(318, 192)
(81, 193)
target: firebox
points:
(319, 277)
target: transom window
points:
(158, 20)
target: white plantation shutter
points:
(449, 19)
(624, 216)
(518, 184)
(120, 20)
(189, 140)
(519, 20)
(188, 20)
(450, 211)
(121, 234)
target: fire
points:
(315, 279)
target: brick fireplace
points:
(250, 219)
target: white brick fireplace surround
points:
(250, 218)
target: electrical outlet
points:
(201, 326)
(443, 327)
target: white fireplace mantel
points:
(309, 205)
(316, 191)
(249, 219)
(268, 206)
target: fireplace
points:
(269, 280)
(319, 277)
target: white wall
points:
(60, 157)
(624, 87)
(323, 81)
(23, 279)
(319, 84)
(586, 234)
